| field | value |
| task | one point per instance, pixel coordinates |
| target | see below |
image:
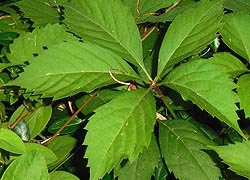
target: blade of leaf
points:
(144, 166)
(11, 142)
(229, 63)
(48, 154)
(238, 6)
(41, 12)
(235, 155)
(111, 26)
(70, 68)
(181, 146)
(244, 93)
(127, 130)
(28, 43)
(236, 33)
(180, 42)
(29, 166)
(62, 175)
(208, 87)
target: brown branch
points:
(71, 118)
(138, 7)
(147, 33)
(19, 118)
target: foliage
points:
(124, 89)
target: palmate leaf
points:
(31, 165)
(181, 146)
(208, 87)
(119, 129)
(236, 156)
(182, 41)
(41, 12)
(110, 25)
(28, 44)
(244, 93)
(229, 63)
(236, 33)
(143, 167)
(70, 68)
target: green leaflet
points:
(22, 130)
(111, 26)
(208, 87)
(236, 156)
(229, 63)
(62, 175)
(123, 129)
(48, 154)
(41, 12)
(144, 166)
(181, 146)
(238, 6)
(244, 93)
(236, 33)
(182, 41)
(11, 142)
(28, 44)
(61, 146)
(29, 166)
(70, 68)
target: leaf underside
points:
(180, 42)
(85, 67)
(181, 146)
(126, 131)
(208, 87)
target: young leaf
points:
(143, 167)
(48, 154)
(61, 146)
(208, 87)
(62, 175)
(236, 156)
(229, 63)
(41, 12)
(11, 142)
(244, 93)
(123, 129)
(181, 146)
(180, 42)
(29, 166)
(28, 43)
(111, 26)
(70, 68)
(236, 33)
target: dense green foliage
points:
(124, 89)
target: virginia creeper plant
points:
(124, 89)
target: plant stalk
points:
(19, 118)
(57, 133)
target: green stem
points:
(71, 118)
(165, 101)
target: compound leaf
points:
(127, 130)
(208, 87)
(180, 42)
(181, 146)
(235, 156)
(28, 44)
(70, 68)
(236, 33)
(41, 12)
(29, 166)
(244, 93)
(11, 142)
(110, 25)
(144, 166)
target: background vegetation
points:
(124, 89)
